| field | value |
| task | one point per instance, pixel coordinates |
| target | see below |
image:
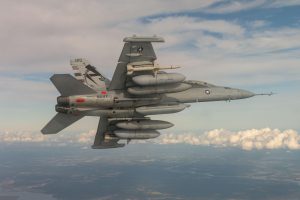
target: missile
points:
(147, 66)
(136, 134)
(144, 124)
(179, 87)
(159, 79)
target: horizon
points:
(251, 45)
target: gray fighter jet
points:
(140, 87)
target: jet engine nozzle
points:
(63, 101)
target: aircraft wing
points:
(135, 50)
(101, 141)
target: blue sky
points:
(253, 45)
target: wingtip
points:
(136, 38)
(45, 131)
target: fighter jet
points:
(140, 87)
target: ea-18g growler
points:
(140, 87)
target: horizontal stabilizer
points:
(59, 122)
(137, 49)
(67, 85)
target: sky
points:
(252, 45)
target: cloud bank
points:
(251, 139)
(212, 40)
(36, 137)
(248, 139)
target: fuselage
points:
(117, 104)
(208, 94)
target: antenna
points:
(268, 94)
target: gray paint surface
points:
(125, 102)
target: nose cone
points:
(245, 94)
(240, 94)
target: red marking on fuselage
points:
(80, 100)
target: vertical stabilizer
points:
(136, 49)
(88, 74)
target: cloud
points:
(226, 50)
(258, 23)
(86, 137)
(235, 6)
(255, 43)
(169, 25)
(248, 139)
(37, 137)
(268, 56)
(280, 3)
(42, 36)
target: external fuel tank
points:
(159, 79)
(160, 109)
(159, 89)
(144, 124)
(136, 134)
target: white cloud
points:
(235, 6)
(258, 23)
(169, 25)
(21, 136)
(37, 137)
(268, 56)
(255, 43)
(248, 139)
(86, 137)
(280, 3)
(42, 36)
